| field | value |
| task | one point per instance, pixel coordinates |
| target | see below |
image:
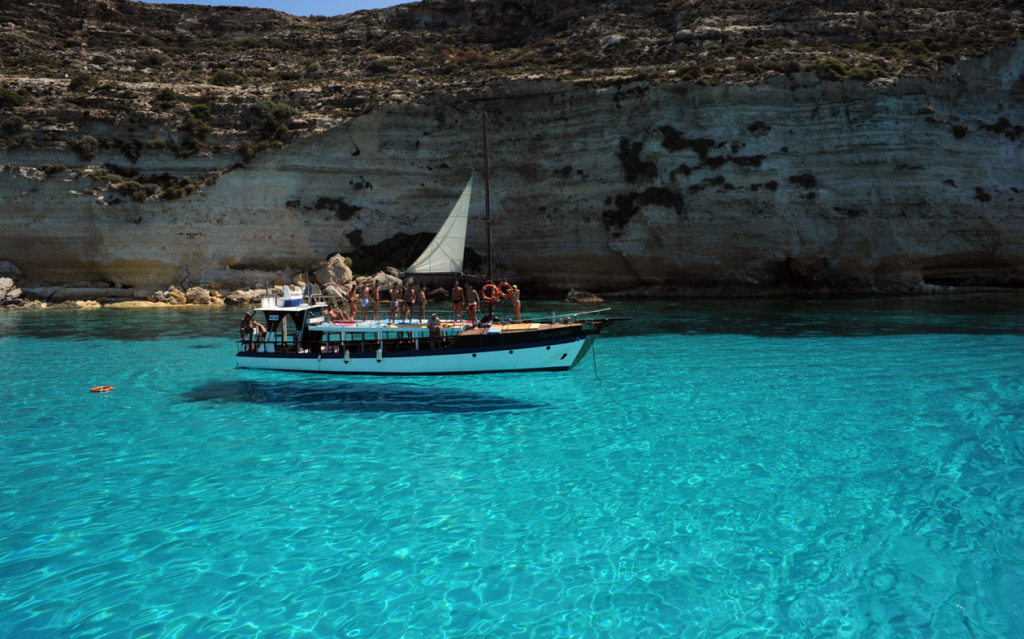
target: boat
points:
(300, 336)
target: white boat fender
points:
(318, 358)
(380, 354)
(348, 356)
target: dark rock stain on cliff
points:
(355, 238)
(628, 204)
(342, 209)
(674, 141)
(716, 162)
(718, 180)
(632, 165)
(1005, 127)
(805, 180)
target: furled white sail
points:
(445, 253)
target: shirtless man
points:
(457, 301)
(410, 299)
(474, 301)
(421, 300)
(376, 300)
(396, 295)
(364, 299)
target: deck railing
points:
(387, 345)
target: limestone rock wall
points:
(790, 184)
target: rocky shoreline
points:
(14, 298)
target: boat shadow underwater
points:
(341, 396)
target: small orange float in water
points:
(102, 389)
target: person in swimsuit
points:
(516, 304)
(474, 301)
(457, 301)
(395, 296)
(352, 302)
(410, 300)
(376, 300)
(421, 300)
(364, 299)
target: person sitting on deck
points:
(474, 301)
(434, 325)
(333, 315)
(457, 301)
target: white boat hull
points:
(545, 356)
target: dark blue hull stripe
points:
(424, 353)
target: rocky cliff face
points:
(794, 182)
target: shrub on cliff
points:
(12, 98)
(165, 99)
(225, 78)
(273, 119)
(191, 147)
(131, 149)
(82, 80)
(196, 127)
(830, 69)
(173, 193)
(248, 150)
(154, 59)
(35, 60)
(200, 112)
(747, 66)
(12, 124)
(132, 189)
(156, 144)
(86, 146)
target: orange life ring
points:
(491, 293)
(505, 290)
(102, 389)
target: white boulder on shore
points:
(333, 271)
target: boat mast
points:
(487, 205)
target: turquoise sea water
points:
(766, 468)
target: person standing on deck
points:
(410, 300)
(435, 330)
(395, 296)
(457, 301)
(516, 304)
(248, 327)
(474, 301)
(376, 300)
(421, 300)
(352, 302)
(364, 299)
